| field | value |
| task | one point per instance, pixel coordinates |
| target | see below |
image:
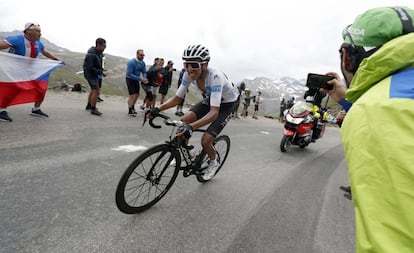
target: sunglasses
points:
(33, 24)
(193, 65)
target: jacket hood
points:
(392, 57)
(92, 50)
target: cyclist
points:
(220, 98)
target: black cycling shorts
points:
(133, 86)
(202, 108)
(163, 89)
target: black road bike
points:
(149, 177)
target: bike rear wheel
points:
(147, 179)
(222, 146)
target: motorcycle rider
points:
(315, 97)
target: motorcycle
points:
(300, 127)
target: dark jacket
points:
(152, 75)
(92, 65)
(167, 76)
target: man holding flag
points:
(29, 85)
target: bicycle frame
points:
(192, 167)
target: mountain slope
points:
(114, 82)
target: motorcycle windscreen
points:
(300, 109)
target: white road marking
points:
(129, 148)
(263, 132)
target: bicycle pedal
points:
(187, 173)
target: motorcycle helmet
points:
(309, 99)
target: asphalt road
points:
(59, 175)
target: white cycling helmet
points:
(196, 53)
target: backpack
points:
(77, 87)
(254, 99)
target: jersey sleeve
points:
(185, 83)
(216, 92)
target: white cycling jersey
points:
(218, 87)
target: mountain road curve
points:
(59, 175)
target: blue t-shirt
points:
(135, 68)
(22, 46)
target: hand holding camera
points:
(317, 81)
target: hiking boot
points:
(210, 172)
(38, 113)
(99, 100)
(88, 107)
(4, 116)
(96, 112)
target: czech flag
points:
(23, 79)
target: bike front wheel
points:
(285, 143)
(222, 146)
(147, 179)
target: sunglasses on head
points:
(33, 24)
(193, 65)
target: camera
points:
(317, 81)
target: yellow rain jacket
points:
(378, 139)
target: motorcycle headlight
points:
(293, 120)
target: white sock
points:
(214, 162)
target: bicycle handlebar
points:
(151, 123)
(167, 121)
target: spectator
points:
(148, 90)
(257, 101)
(179, 111)
(246, 103)
(155, 79)
(283, 107)
(377, 60)
(290, 103)
(167, 73)
(92, 71)
(136, 72)
(17, 44)
(241, 89)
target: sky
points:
(246, 39)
